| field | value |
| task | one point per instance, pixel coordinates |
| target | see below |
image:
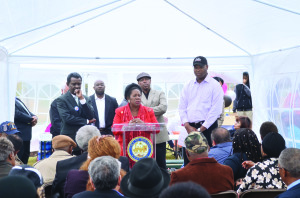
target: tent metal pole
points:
(274, 6)
(45, 38)
(61, 20)
(219, 35)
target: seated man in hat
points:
(104, 175)
(8, 128)
(62, 146)
(207, 172)
(7, 157)
(18, 143)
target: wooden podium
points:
(137, 141)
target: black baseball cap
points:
(200, 60)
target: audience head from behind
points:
(16, 141)
(196, 146)
(272, 145)
(245, 141)
(104, 145)
(146, 179)
(242, 122)
(220, 135)
(7, 151)
(17, 187)
(267, 127)
(105, 173)
(29, 172)
(219, 79)
(8, 128)
(84, 135)
(185, 189)
(63, 143)
(289, 166)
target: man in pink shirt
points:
(201, 102)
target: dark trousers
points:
(206, 133)
(24, 152)
(161, 155)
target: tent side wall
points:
(276, 93)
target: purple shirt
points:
(201, 101)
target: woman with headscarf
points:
(245, 147)
(133, 113)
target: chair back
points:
(225, 194)
(261, 193)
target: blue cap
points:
(8, 128)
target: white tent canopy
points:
(116, 39)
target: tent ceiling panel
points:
(254, 26)
(140, 29)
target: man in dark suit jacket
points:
(54, 115)
(201, 169)
(289, 170)
(104, 182)
(74, 108)
(24, 120)
(104, 108)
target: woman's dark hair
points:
(246, 74)
(184, 189)
(245, 142)
(129, 88)
(245, 122)
(219, 79)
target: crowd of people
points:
(89, 158)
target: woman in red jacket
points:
(133, 113)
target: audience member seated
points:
(77, 180)
(104, 176)
(7, 157)
(267, 127)
(222, 145)
(241, 122)
(184, 189)
(245, 147)
(18, 143)
(8, 128)
(146, 179)
(265, 174)
(207, 172)
(32, 174)
(17, 187)
(62, 146)
(289, 170)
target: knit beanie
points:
(273, 143)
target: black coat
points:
(23, 120)
(99, 194)
(55, 119)
(110, 106)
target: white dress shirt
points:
(100, 103)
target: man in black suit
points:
(24, 120)
(83, 136)
(105, 176)
(74, 109)
(54, 115)
(104, 108)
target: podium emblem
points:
(139, 147)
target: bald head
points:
(99, 88)
(220, 135)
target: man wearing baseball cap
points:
(157, 101)
(201, 102)
(206, 171)
(8, 128)
(62, 146)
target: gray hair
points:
(6, 148)
(105, 172)
(220, 135)
(289, 160)
(84, 134)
